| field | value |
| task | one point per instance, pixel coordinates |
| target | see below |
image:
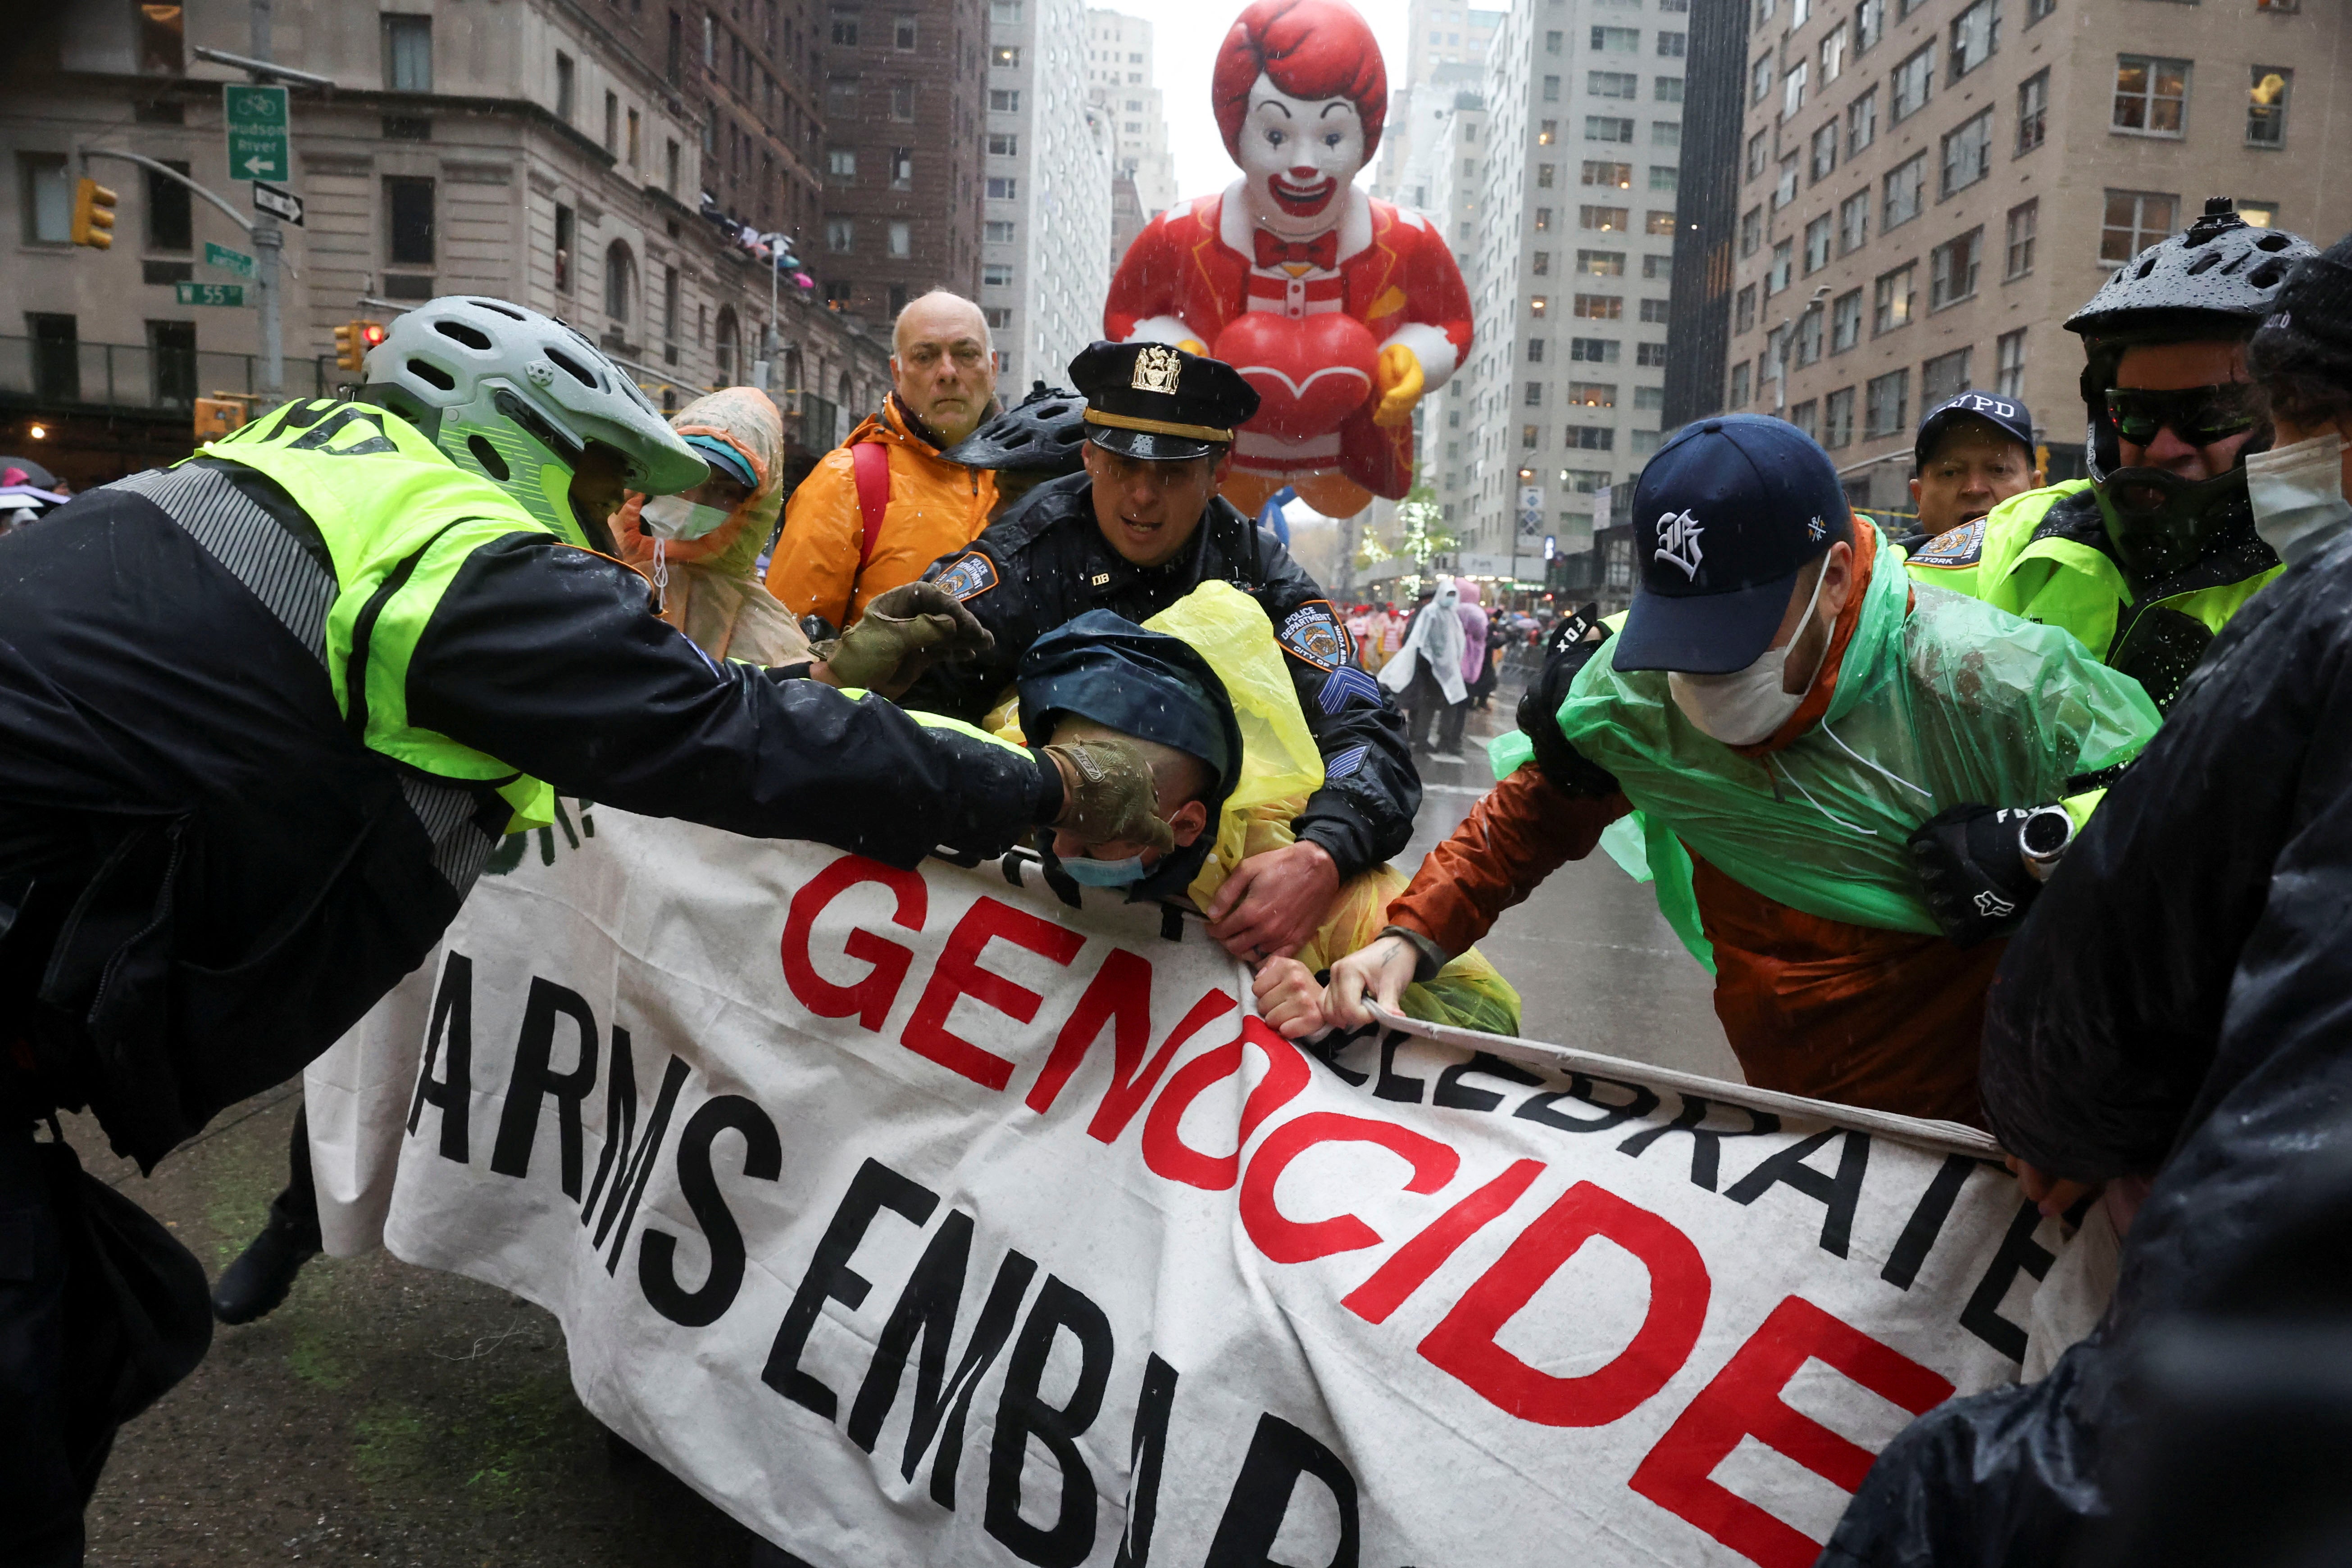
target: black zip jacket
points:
(1047, 561)
(205, 878)
(2177, 1002)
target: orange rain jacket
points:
(1886, 1019)
(935, 510)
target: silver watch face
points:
(2045, 833)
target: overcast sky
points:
(1184, 38)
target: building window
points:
(1832, 54)
(1619, 175)
(1006, 13)
(2033, 110)
(171, 346)
(1617, 40)
(1901, 189)
(1792, 89)
(567, 230)
(171, 223)
(841, 165)
(1606, 220)
(1893, 295)
(2151, 96)
(841, 236)
(408, 212)
(1601, 263)
(1003, 144)
(2008, 363)
(1915, 82)
(1751, 231)
(1846, 321)
(1592, 351)
(1809, 337)
(1854, 223)
(1756, 155)
(1612, 84)
(1886, 405)
(2266, 106)
(1607, 128)
(902, 168)
(408, 54)
(1736, 397)
(1547, 133)
(1530, 438)
(1824, 152)
(1862, 123)
(2260, 215)
(1542, 264)
(1666, 89)
(2037, 9)
(1784, 189)
(1659, 222)
(1837, 418)
(1534, 351)
(1003, 188)
(2017, 249)
(1544, 175)
(566, 87)
(1776, 278)
(1591, 395)
(1552, 42)
(1968, 154)
(902, 100)
(1945, 375)
(1007, 56)
(1533, 395)
(1759, 80)
(1551, 89)
(1673, 46)
(620, 282)
(1806, 416)
(845, 28)
(997, 275)
(1743, 314)
(1817, 245)
(1654, 311)
(1596, 308)
(1584, 481)
(1658, 267)
(999, 230)
(2134, 220)
(1543, 220)
(902, 33)
(1976, 33)
(902, 239)
(1589, 439)
(1004, 100)
(1869, 24)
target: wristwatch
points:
(2042, 836)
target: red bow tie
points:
(1322, 251)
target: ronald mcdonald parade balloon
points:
(1342, 312)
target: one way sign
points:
(255, 116)
(277, 203)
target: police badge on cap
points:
(1159, 404)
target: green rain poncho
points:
(1954, 703)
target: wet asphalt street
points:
(389, 1414)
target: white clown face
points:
(1298, 156)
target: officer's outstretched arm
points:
(545, 656)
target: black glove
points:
(1972, 872)
(1567, 649)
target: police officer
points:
(262, 718)
(1138, 530)
(2153, 553)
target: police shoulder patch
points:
(972, 574)
(1955, 547)
(1312, 632)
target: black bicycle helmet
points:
(1044, 434)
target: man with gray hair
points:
(883, 506)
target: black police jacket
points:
(2176, 1004)
(1047, 561)
(205, 878)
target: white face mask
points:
(675, 517)
(2299, 495)
(1745, 706)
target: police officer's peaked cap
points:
(1160, 404)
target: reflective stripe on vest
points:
(399, 519)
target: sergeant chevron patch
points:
(1346, 763)
(1346, 684)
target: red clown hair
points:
(1308, 49)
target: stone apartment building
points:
(905, 91)
(1046, 198)
(1927, 188)
(548, 152)
(1568, 266)
(1122, 77)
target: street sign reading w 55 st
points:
(255, 120)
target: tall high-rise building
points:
(1443, 181)
(1569, 266)
(1046, 200)
(1928, 188)
(1121, 80)
(906, 88)
(1445, 54)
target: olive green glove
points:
(900, 634)
(1107, 795)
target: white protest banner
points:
(914, 1217)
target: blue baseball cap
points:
(1725, 517)
(2005, 414)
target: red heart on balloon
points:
(1309, 372)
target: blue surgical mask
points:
(1104, 873)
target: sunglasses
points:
(2199, 415)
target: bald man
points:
(883, 506)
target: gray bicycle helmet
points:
(516, 397)
(1044, 434)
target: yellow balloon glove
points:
(1194, 346)
(1399, 380)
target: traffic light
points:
(93, 216)
(352, 340)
